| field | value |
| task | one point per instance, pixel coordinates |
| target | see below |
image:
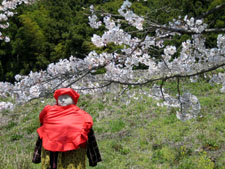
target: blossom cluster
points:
(188, 103)
(130, 16)
(93, 19)
(6, 11)
(192, 24)
(113, 34)
(57, 75)
(218, 79)
(6, 106)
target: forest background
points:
(46, 31)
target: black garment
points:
(93, 152)
(53, 160)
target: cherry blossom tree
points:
(192, 59)
(6, 11)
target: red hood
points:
(75, 96)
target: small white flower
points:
(7, 39)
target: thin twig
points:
(179, 94)
(217, 8)
(93, 88)
(139, 43)
(123, 91)
(88, 72)
(161, 85)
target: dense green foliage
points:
(139, 135)
(46, 31)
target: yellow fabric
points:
(66, 160)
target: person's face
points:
(65, 100)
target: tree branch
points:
(217, 8)
(169, 77)
(88, 72)
(184, 31)
(93, 88)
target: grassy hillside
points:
(139, 135)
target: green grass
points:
(139, 135)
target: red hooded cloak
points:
(64, 128)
